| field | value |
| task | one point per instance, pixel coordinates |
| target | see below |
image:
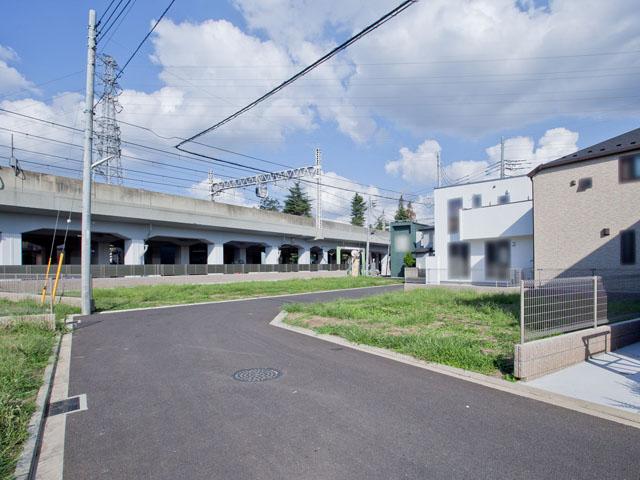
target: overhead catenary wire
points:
(382, 20)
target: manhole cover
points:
(256, 374)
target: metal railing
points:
(509, 277)
(113, 271)
(560, 305)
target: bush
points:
(409, 261)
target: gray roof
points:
(622, 143)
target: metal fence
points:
(113, 271)
(560, 305)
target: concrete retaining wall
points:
(540, 357)
(46, 318)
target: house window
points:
(502, 199)
(629, 168)
(453, 206)
(628, 247)
(497, 256)
(458, 261)
(476, 201)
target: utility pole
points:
(439, 181)
(366, 254)
(501, 157)
(85, 258)
(319, 233)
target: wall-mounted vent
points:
(604, 232)
(585, 184)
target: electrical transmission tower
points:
(107, 128)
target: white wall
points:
(519, 189)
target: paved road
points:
(162, 404)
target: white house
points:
(483, 231)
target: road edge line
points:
(558, 400)
(28, 460)
(264, 297)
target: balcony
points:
(495, 221)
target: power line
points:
(400, 8)
(105, 30)
(214, 159)
(144, 39)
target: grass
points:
(158, 295)
(24, 352)
(465, 329)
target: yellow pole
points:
(55, 284)
(46, 280)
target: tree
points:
(411, 214)
(297, 202)
(381, 222)
(408, 260)
(358, 209)
(401, 213)
(270, 204)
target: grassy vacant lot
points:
(157, 295)
(24, 351)
(466, 329)
(30, 307)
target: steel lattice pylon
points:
(107, 128)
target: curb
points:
(265, 297)
(28, 461)
(582, 406)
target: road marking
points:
(520, 389)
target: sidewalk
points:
(611, 379)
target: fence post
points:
(595, 302)
(521, 311)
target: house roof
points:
(622, 143)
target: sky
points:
(447, 77)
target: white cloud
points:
(233, 197)
(464, 66)
(419, 166)
(521, 153)
(10, 79)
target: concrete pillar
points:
(271, 255)
(134, 252)
(325, 256)
(385, 265)
(215, 254)
(10, 248)
(103, 253)
(184, 254)
(304, 256)
(241, 255)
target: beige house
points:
(586, 210)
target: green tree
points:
(271, 204)
(358, 210)
(411, 214)
(297, 202)
(381, 222)
(401, 212)
(409, 261)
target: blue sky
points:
(450, 76)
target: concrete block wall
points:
(540, 357)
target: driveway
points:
(611, 379)
(163, 404)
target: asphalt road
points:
(163, 404)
